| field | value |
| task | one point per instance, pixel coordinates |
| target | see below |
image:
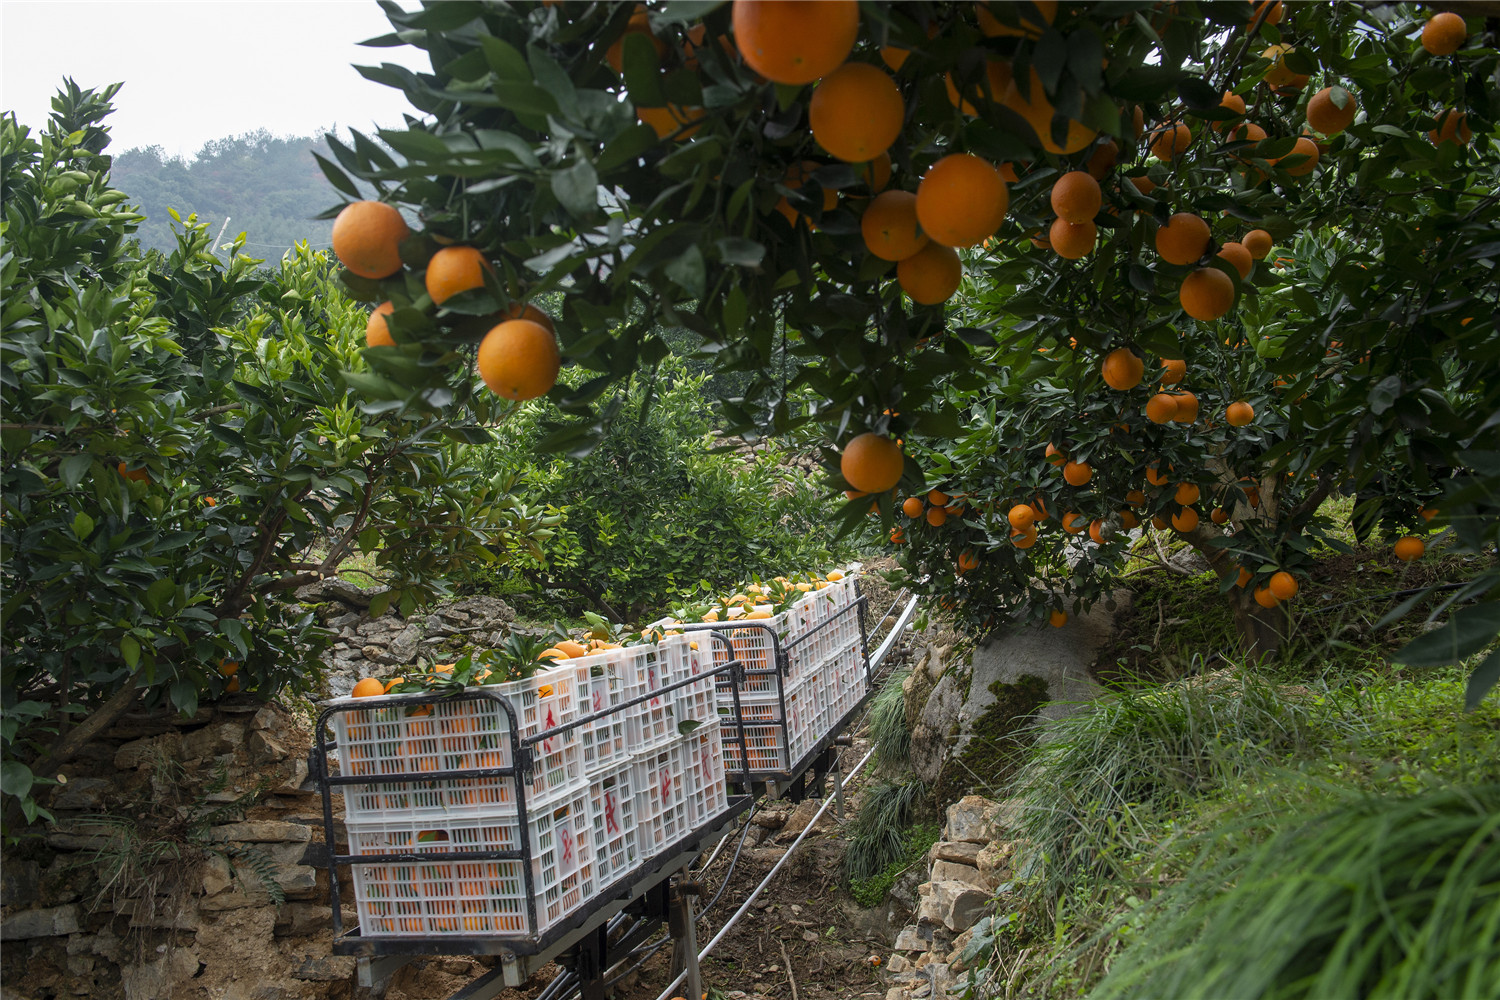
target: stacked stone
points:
(968, 866)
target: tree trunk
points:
(1261, 630)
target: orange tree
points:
(1111, 185)
(179, 453)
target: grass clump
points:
(1377, 896)
(880, 831)
(887, 722)
(870, 892)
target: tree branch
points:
(578, 587)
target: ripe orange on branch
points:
(961, 200)
(1283, 585)
(519, 359)
(872, 462)
(452, 270)
(367, 238)
(1258, 242)
(1039, 112)
(1444, 33)
(1327, 117)
(1123, 369)
(1183, 240)
(1077, 473)
(1207, 294)
(889, 226)
(1073, 241)
(795, 41)
(1171, 140)
(1409, 548)
(856, 112)
(377, 330)
(912, 507)
(931, 275)
(1239, 413)
(1076, 196)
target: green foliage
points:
(223, 396)
(887, 722)
(656, 514)
(1380, 896)
(1088, 784)
(871, 892)
(881, 834)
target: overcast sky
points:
(202, 70)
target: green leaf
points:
(577, 187)
(627, 147)
(73, 468)
(185, 695)
(740, 251)
(131, 650)
(505, 59)
(83, 525)
(689, 271)
(159, 593)
(337, 177)
(380, 603)
(1467, 632)
(1484, 678)
(16, 779)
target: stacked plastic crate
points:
(621, 784)
(824, 679)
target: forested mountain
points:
(269, 187)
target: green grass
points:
(871, 891)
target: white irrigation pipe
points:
(708, 948)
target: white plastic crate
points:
(661, 813)
(601, 684)
(612, 815)
(766, 738)
(379, 738)
(697, 702)
(702, 753)
(456, 897)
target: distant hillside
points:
(269, 187)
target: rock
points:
(210, 741)
(238, 899)
(303, 919)
(960, 945)
(958, 852)
(265, 749)
(897, 993)
(485, 611)
(404, 646)
(327, 969)
(262, 832)
(216, 875)
(436, 626)
(295, 780)
(1061, 657)
(83, 793)
(897, 964)
(969, 820)
(82, 838)
(137, 753)
(904, 889)
(800, 818)
(912, 939)
(953, 904)
(932, 735)
(20, 882)
(342, 622)
(51, 922)
(948, 871)
(336, 589)
(377, 654)
(771, 819)
(995, 862)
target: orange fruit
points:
(228, 668)
(1054, 455)
(1279, 75)
(377, 330)
(1409, 548)
(889, 226)
(968, 97)
(1171, 140)
(1207, 294)
(796, 175)
(367, 238)
(1076, 196)
(1174, 370)
(134, 475)
(1154, 475)
(639, 24)
(1024, 539)
(568, 646)
(519, 359)
(993, 27)
(1244, 576)
(1144, 185)
(367, 687)
(1077, 473)
(931, 275)
(1239, 413)
(1187, 407)
(961, 200)
(233, 685)
(1128, 520)
(1326, 117)
(1185, 519)
(937, 516)
(1039, 507)
(1039, 112)
(1283, 585)
(1428, 513)
(672, 120)
(1058, 618)
(795, 41)
(872, 462)
(912, 507)
(967, 560)
(1258, 242)
(856, 112)
(938, 498)
(1274, 11)
(1187, 494)
(1444, 33)
(1304, 147)
(1232, 102)
(876, 174)
(1123, 369)
(1102, 160)
(1237, 255)
(1073, 240)
(1265, 598)
(1073, 523)
(1021, 517)
(897, 536)
(452, 270)
(1136, 497)
(894, 57)
(1453, 126)
(525, 310)
(1219, 515)
(1159, 522)
(1161, 408)
(1096, 531)
(1183, 240)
